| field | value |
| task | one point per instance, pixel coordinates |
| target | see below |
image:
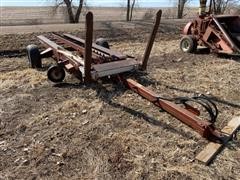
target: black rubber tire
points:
(188, 44)
(34, 58)
(102, 42)
(56, 74)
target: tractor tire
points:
(34, 58)
(102, 42)
(188, 44)
(56, 74)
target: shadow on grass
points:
(213, 98)
(103, 94)
(147, 81)
(230, 57)
(118, 89)
(202, 50)
(107, 95)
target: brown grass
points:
(104, 131)
(46, 15)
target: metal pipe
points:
(151, 40)
(88, 47)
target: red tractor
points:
(219, 33)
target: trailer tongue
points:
(90, 61)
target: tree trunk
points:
(128, 10)
(131, 11)
(178, 12)
(79, 10)
(69, 10)
(220, 6)
(203, 5)
(181, 4)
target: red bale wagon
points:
(90, 61)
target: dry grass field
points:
(104, 131)
(47, 15)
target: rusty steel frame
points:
(88, 48)
(99, 49)
(59, 54)
(206, 27)
(94, 61)
(151, 40)
(92, 53)
(186, 115)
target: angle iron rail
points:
(63, 56)
(109, 52)
(73, 45)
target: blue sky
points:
(102, 3)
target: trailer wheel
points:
(34, 58)
(188, 44)
(102, 42)
(56, 74)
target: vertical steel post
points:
(151, 40)
(88, 47)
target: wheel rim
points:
(56, 74)
(185, 45)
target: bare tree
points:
(181, 5)
(74, 9)
(130, 8)
(203, 5)
(221, 5)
